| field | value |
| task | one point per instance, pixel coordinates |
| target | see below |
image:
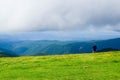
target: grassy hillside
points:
(99, 66)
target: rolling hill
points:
(46, 47)
(7, 53)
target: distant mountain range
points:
(46, 47)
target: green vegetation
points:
(99, 66)
(3, 54)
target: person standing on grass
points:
(94, 48)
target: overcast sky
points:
(70, 19)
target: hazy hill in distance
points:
(7, 53)
(46, 47)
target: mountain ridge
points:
(48, 47)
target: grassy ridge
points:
(99, 66)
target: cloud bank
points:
(59, 15)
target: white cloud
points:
(52, 15)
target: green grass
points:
(99, 66)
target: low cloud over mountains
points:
(59, 15)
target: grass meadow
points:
(98, 66)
